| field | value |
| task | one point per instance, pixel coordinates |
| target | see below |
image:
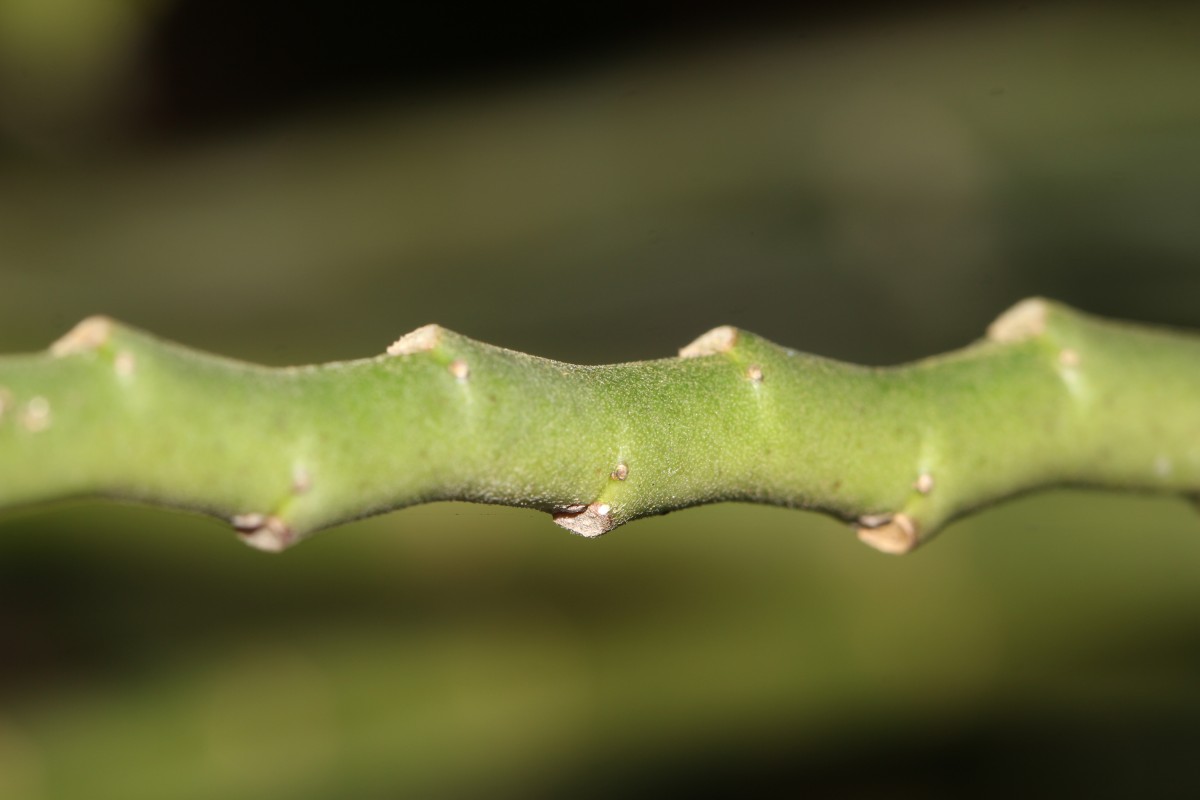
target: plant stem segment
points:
(1051, 397)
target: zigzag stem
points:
(1051, 397)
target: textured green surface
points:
(1051, 397)
(873, 193)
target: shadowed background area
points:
(298, 182)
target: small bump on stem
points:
(592, 521)
(874, 520)
(421, 340)
(924, 483)
(718, 340)
(1025, 320)
(459, 369)
(125, 364)
(90, 334)
(620, 473)
(269, 534)
(246, 523)
(301, 480)
(754, 373)
(37, 415)
(895, 535)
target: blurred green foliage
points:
(875, 192)
(66, 67)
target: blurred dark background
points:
(303, 181)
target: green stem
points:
(1050, 397)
